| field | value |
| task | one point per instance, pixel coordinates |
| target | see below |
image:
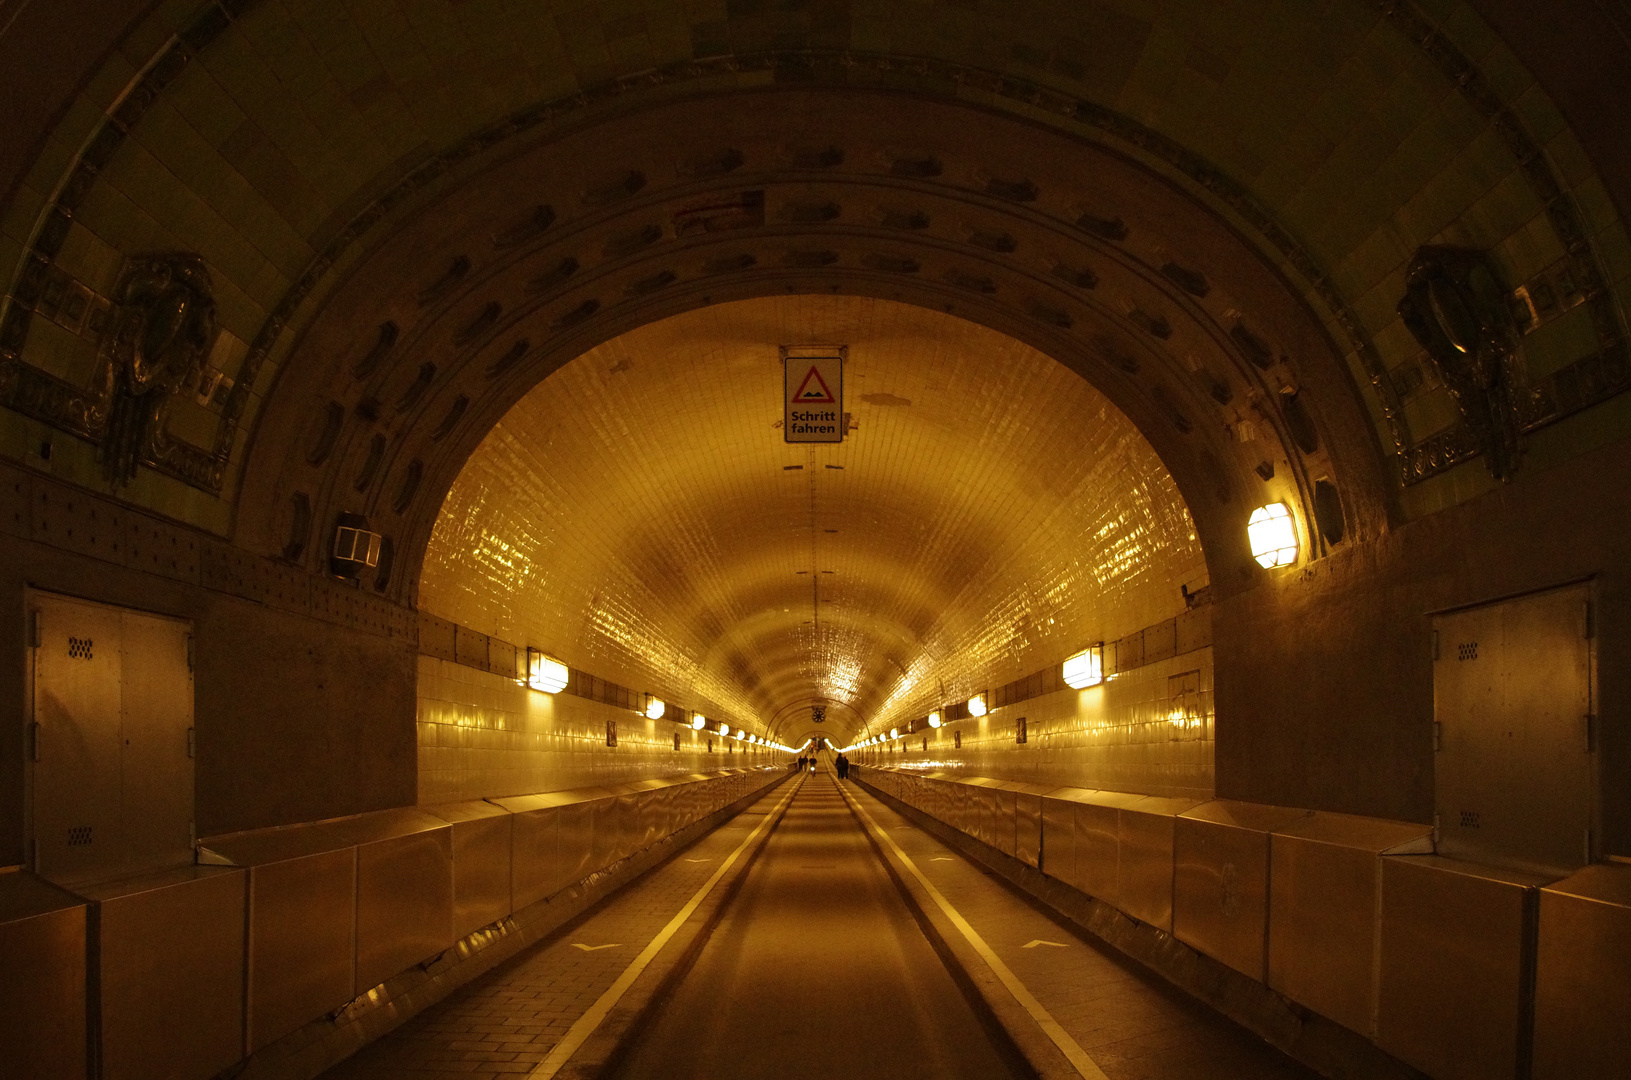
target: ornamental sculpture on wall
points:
(158, 339)
(130, 372)
(1457, 311)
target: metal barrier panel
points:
(1059, 834)
(404, 890)
(302, 942)
(1220, 901)
(1457, 947)
(482, 839)
(536, 863)
(1028, 827)
(171, 970)
(302, 925)
(42, 980)
(1323, 886)
(1582, 1008)
(576, 838)
(623, 827)
(1098, 843)
(1144, 874)
(1002, 819)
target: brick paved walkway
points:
(1132, 1023)
(504, 1023)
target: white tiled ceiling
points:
(639, 515)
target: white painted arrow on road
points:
(1038, 941)
(595, 948)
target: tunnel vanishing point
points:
(462, 463)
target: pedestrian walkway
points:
(505, 1023)
(816, 967)
(819, 970)
(1131, 1024)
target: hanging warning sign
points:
(814, 379)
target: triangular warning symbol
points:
(813, 390)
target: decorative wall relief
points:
(160, 338)
(146, 350)
(1455, 309)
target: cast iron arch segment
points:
(1009, 89)
(1011, 307)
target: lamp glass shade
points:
(1272, 532)
(1084, 669)
(546, 673)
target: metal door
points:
(111, 735)
(1512, 705)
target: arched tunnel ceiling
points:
(296, 146)
(639, 515)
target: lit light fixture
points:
(545, 673)
(724, 729)
(741, 734)
(698, 722)
(934, 718)
(894, 733)
(655, 708)
(1273, 535)
(1085, 669)
(976, 705)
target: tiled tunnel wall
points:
(482, 735)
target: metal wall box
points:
(1144, 876)
(42, 979)
(481, 863)
(1583, 976)
(302, 924)
(171, 968)
(404, 890)
(1059, 832)
(1098, 843)
(1457, 946)
(1220, 893)
(1324, 884)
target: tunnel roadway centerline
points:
(1078, 1058)
(586, 1024)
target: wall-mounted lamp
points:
(1273, 535)
(741, 734)
(655, 708)
(934, 718)
(546, 673)
(698, 722)
(724, 728)
(356, 546)
(894, 733)
(976, 705)
(1084, 669)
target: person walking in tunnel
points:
(843, 767)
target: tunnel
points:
(815, 538)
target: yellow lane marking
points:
(1061, 1038)
(586, 1024)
